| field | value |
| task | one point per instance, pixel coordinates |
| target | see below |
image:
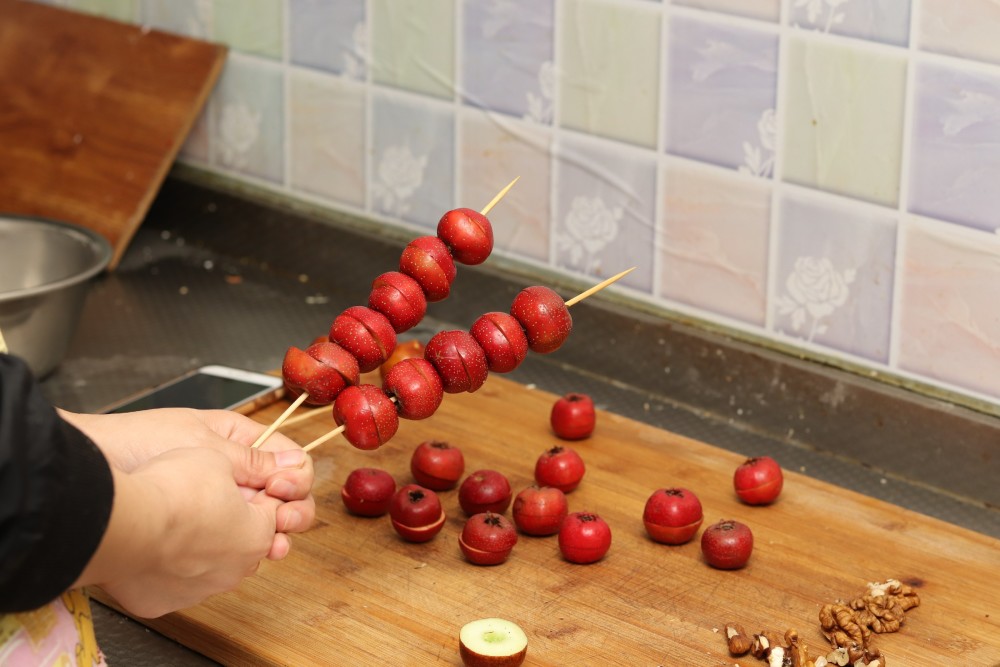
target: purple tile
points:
(955, 164)
(413, 165)
(507, 57)
(834, 274)
(721, 95)
(331, 36)
(605, 209)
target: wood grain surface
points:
(353, 593)
(92, 115)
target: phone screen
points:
(198, 390)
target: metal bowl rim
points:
(102, 258)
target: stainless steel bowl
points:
(46, 268)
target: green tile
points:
(119, 10)
(250, 26)
(610, 65)
(413, 45)
(843, 119)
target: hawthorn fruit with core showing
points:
(492, 642)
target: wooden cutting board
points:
(353, 593)
(92, 114)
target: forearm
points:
(56, 492)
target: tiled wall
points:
(820, 173)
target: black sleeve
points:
(56, 492)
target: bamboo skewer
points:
(598, 287)
(277, 422)
(500, 195)
(575, 300)
(282, 419)
(308, 414)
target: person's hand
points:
(281, 468)
(182, 530)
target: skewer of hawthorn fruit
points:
(361, 338)
(455, 361)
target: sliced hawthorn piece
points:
(468, 234)
(502, 339)
(321, 371)
(427, 260)
(458, 359)
(416, 386)
(368, 416)
(492, 642)
(544, 316)
(400, 298)
(365, 333)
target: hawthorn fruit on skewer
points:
(546, 324)
(396, 303)
(315, 375)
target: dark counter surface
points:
(216, 277)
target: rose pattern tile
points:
(878, 20)
(949, 312)
(605, 210)
(721, 93)
(413, 166)
(507, 57)
(955, 133)
(413, 45)
(331, 36)
(713, 241)
(610, 43)
(491, 154)
(843, 118)
(967, 29)
(248, 119)
(766, 10)
(327, 137)
(834, 274)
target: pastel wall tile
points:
(968, 28)
(720, 94)
(834, 274)
(767, 10)
(413, 45)
(605, 210)
(955, 168)
(249, 118)
(250, 26)
(412, 154)
(878, 20)
(713, 241)
(331, 36)
(493, 151)
(507, 56)
(843, 119)
(950, 315)
(197, 144)
(191, 18)
(119, 10)
(609, 73)
(327, 126)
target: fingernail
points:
(281, 488)
(292, 521)
(290, 458)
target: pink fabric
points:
(60, 634)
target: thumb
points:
(253, 467)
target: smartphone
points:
(208, 388)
